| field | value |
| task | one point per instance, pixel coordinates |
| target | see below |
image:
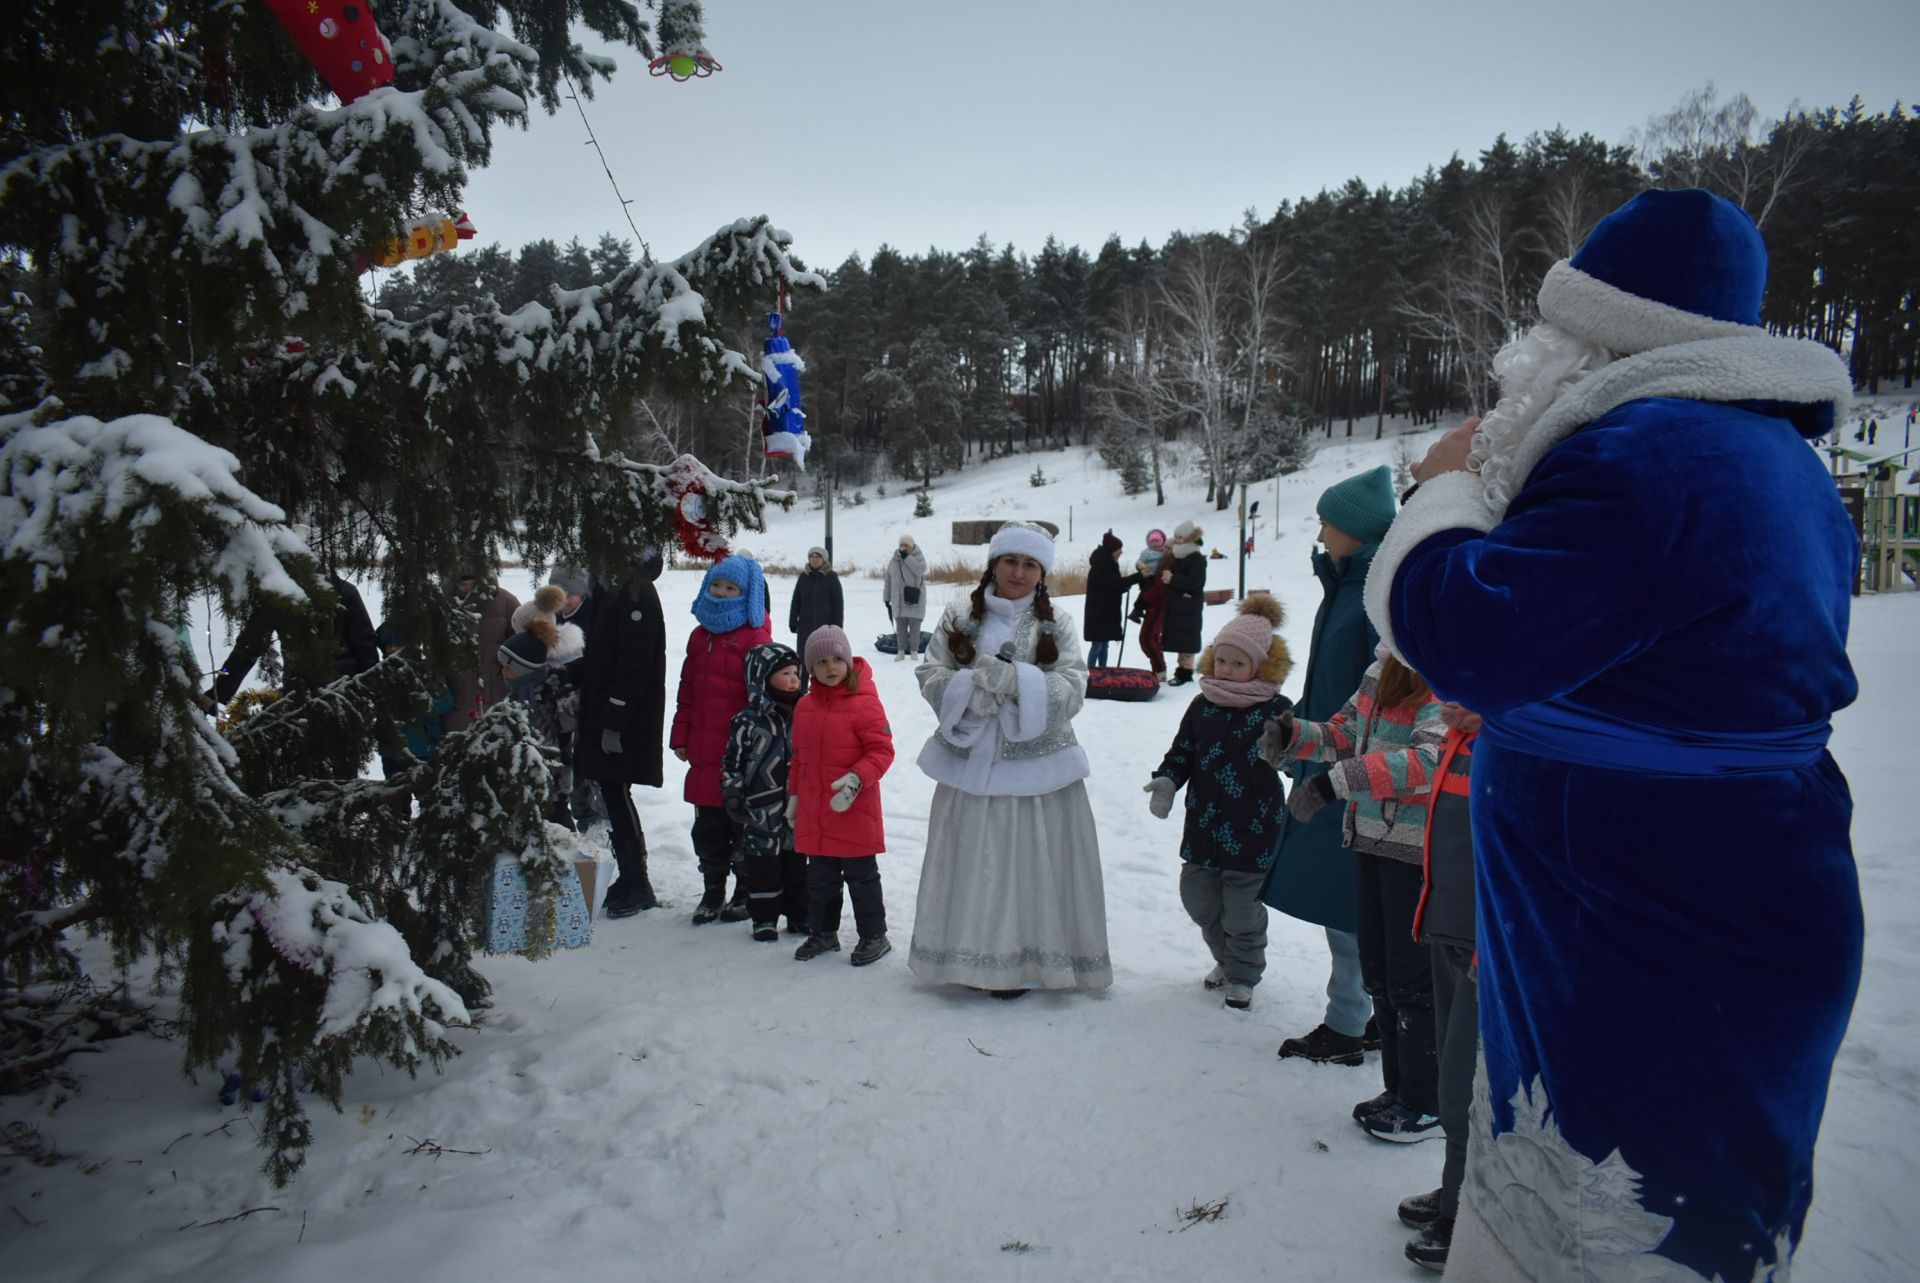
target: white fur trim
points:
(1025, 718)
(776, 444)
(1751, 367)
(569, 644)
(1619, 321)
(1451, 501)
(1022, 540)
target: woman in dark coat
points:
(623, 706)
(1184, 570)
(1106, 587)
(816, 599)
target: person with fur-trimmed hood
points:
(753, 785)
(732, 610)
(1234, 796)
(1639, 574)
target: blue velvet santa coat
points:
(1669, 919)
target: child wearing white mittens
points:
(1234, 796)
(842, 745)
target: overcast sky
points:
(856, 123)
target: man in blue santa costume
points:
(1638, 570)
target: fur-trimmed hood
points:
(1799, 380)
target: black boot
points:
(1429, 1249)
(1181, 676)
(736, 909)
(710, 905)
(815, 945)
(871, 949)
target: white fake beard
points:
(1533, 371)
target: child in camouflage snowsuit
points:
(1234, 796)
(753, 784)
(532, 664)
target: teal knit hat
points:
(1361, 506)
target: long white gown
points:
(1011, 894)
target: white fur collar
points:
(1754, 367)
(569, 644)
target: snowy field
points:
(679, 1103)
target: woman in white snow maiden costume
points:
(1011, 896)
(1638, 570)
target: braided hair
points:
(962, 647)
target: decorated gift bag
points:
(505, 928)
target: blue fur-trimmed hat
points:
(1666, 267)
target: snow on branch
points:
(656, 322)
(63, 480)
(313, 925)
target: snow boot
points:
(1215, 978)
(1428, 1250)
(766, 931)
(797, 927)
(1401, 1125)
(736, 909)
(1421, 1210)
(1239, 997)
(1370, 1036)
(1325, 1046)
(871, 949)
(815, 945)
(709, 907)
(1369, 1107)
(1181, 676)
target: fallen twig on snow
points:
(237, 1216)
(1202, 1212)
(435, 1149)
(977, 1047)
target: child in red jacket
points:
(842, 745)
(732, 610)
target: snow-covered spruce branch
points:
(651, 324)
(63, 479)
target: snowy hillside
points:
(676, 1103)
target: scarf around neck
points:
(1237, 694)
(720, 614)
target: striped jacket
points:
(1383, 767)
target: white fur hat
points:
(1022, 539)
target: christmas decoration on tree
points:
(176, 201)
(341, 41)
(683, 52)
(424, 239)
(784, 434)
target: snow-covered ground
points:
(676, 1103)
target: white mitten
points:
(997, 675)
(845, 789)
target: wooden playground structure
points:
(1888, 521)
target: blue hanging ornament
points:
(784, 429)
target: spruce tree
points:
(187, 367)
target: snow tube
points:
(1130, 684)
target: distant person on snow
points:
(816, 599)
(906, 592)
(1106, 587)
(1184, 572)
